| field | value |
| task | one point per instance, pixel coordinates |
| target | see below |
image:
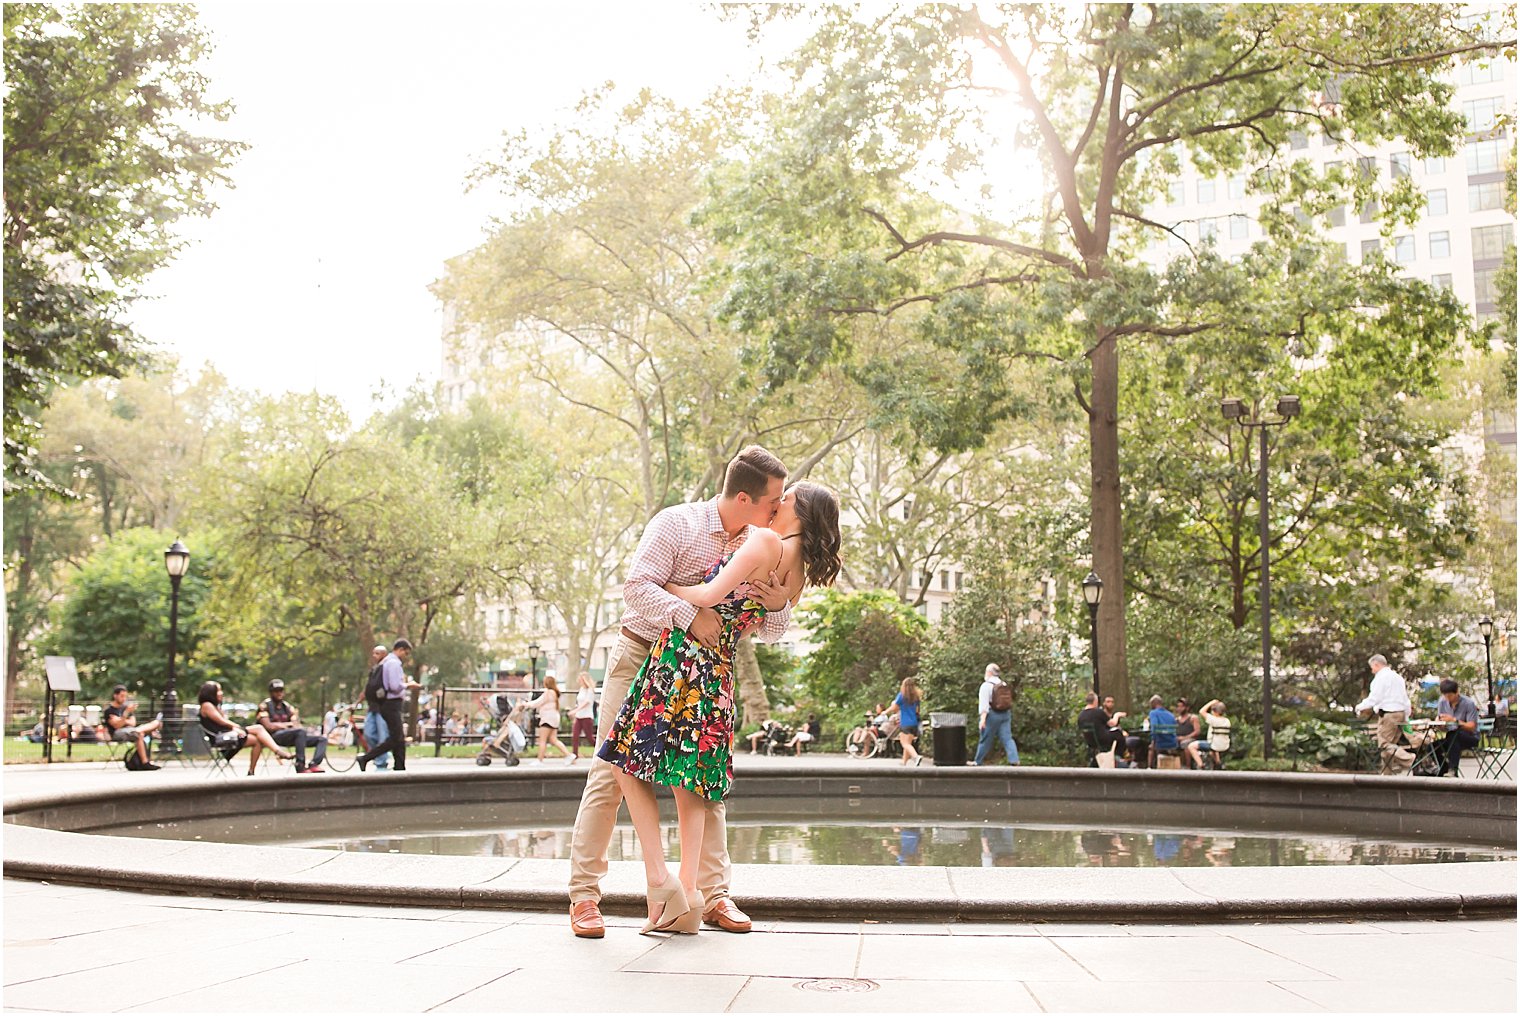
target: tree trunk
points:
(1107, 527)
(751, 683)
(14, 618)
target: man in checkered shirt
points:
(679, 545)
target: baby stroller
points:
(509, 738)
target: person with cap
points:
(121, 723)
(994, 702)
(283, 722)
(392, 690)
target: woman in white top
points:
(582, 719)
(547, 705)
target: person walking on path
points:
(905, 706)
(680, 544)
(994, 701)
(1388, 698)
(393, 688)
(583, 717)
(374, 730)
(676, 727)
(547, 704)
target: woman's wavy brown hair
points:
(817, 510)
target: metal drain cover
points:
(834, 985)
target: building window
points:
(1435, 201)
(1239, 228)
(1237, 188)
(944, 581)
(1369, 211)
(1482, 114)
(501, 621)
(1490, 241)
(960, 578)
(1484, 291)
(908, 508)
(1208, 229)
(1175, 193)
(1370, 249)
(1484, 157)
(1366, 167)
(1403, 249)
(1338, 215)
(1479, 72)
(1442, 281)
(1177, 237)
(1297, 140)
(1205, 191)
(1435, 164)
(1398, 164)
(1440, 244)
(1484, 196)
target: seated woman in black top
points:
(228, 736)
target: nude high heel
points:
(677, 914)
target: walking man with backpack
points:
(391, 693)
(375, 731)
(995, 703)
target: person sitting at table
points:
(1165, 740)
(1106, 731)
(1460, 714)
(1217, 737)
(1188, 727)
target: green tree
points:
(866, 643)
(115, 621)
(101, 161)
(830, 228)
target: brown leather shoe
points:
(724, 914)
(586, 920)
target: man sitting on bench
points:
(283, 722)
(120, 720)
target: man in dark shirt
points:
(1105, 728)
(1461, 716)
(121, 721)
(283, 723)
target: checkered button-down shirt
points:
(679, 545)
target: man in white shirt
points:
(1388, 698)
(996, 722)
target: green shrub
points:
(1323, 743)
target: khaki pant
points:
(1396, 759)
(597, 817)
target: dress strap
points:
(791, 537)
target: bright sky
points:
(365, 120)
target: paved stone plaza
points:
(64, 944)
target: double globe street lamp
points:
(1288, 407)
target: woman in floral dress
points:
(676, 727)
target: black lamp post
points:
(1092, 592)
(533, 665)
(176, 563)
(1486, 627)
(1288, 407)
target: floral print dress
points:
(676, 727)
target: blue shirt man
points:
(1160, 715)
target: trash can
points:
(949, 738)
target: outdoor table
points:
(1426, 738)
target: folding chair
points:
(1495, 749)
(1165, 730)
(1090, 738)
(198, 743)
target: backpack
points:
(1002, 699)
(373, 688)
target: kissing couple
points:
(704, 575)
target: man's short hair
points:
(118, 688)
(993, 670)
(379, 649)
(1092, 698)
(751, 472)
(1377, 658)
(401, 644)
(1448, 686)
(1155, 702)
